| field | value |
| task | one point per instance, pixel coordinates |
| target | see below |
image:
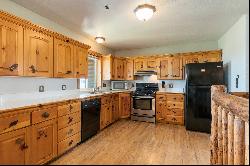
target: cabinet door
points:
(138, 65)
(124, 105)
(176, 68)
(151, 64)
(63, 59)
(44, 142)
(163, 71)
(81, 62)
(11, 53)
(212, 56)
(15, 147)
(38, 54)
(119, 69)
(129, 69)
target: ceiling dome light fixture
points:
(100, 39)
(145, 12)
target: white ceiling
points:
(176, 21)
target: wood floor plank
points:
(132, 143)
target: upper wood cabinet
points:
(163, 68)
(11, 49)
(80, 62)
(63, 59)
(15, 147)
(211, 56)
(151, 63)
(108, 68)
(129, 69)
(38, 54)
(139, 64)
(119, 69)
(170, 68)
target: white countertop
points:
(17, 101)
(172, 90)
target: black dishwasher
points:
(90, 118)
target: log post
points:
(225, 136)
(239, 141)
(220, 143)
(246, 143)
(230, 138)
(213, 137)
(214, 125)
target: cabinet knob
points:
(70, 120)
(33, 69)
(14, 123)
(13, 67)
(71, 142)
(68, 72)
(24, 146)
(45, 115)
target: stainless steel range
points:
(144, 102)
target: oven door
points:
(144, 106)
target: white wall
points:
(179, 48)
(235, 45)
(25, 85)
(13, 85)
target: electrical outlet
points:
(163, 84)
(64, 87)
(237, 81)
(171, 85)
(104, 85)
(41, 88)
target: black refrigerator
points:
(199, 79)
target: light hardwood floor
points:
(128, 142)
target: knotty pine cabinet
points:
(124, 105)
(11, 49)
(80, 62)
(14, 147)
(43, 142)
(39, 134)
(170, 108)
(142, 64)
(38, 54)
(63, 59)
(170, 68)
(129, 69)
(119, 64)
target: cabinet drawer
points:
(69, 108)
(69, 131)
(172, 105)
(68, 143)
(44, 114)
(175, 112)
(68, 120)
(175, 120)
(175, 97)
(9, 122)
(161, 98)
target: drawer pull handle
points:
(70, 131)
(45, 115)
(70, 108)
(14, 123)
(174, 104)
(24, 146)
(41, 133)
(70, 120)
(71, 142)
(174, 98)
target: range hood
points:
(145, 73)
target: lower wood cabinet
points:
(37, 135)
(44, 142)
(15, 147)
(124, 105)
(170, 108)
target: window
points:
(94, 70)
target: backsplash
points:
(14, 85)
(177, 84)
